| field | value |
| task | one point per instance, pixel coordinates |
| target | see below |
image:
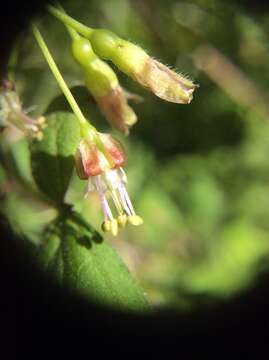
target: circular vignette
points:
(48, 316)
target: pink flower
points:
(100, 161)
(12, 113)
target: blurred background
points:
(198, 174)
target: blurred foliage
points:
(198, 174)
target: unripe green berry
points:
(82, 51)
(104, 42)
(99, 77)
(128, 57)
(103, 84)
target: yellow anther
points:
(39, 136)
(122, 219)
(106, 226)
(135, 220)
(114, 227)
(41, 120)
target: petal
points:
(165, 83)
(116, 110)
(114, 148)
(87, 160)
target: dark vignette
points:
(38, 319)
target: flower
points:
(148, 72)
(103, 84)
(100, 161)
(135, 62)
(12, 113)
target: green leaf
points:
(78, 256)
(52, 157)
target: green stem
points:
(72, 32)
(85, 127)
(84, 124)
(68, 20)
(74, 36)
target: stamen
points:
(127, 199)
(122, 175)
(123, 201)
(132, 217)
(106, 226)
(135, 220)
(104, 204)
(111, 179)
(42, 122)
(116, 202)
(114, 227)
(122, 220)
(39, 136)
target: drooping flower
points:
(135, 62)
(103, 84)
(100, 161)
(12, 113)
